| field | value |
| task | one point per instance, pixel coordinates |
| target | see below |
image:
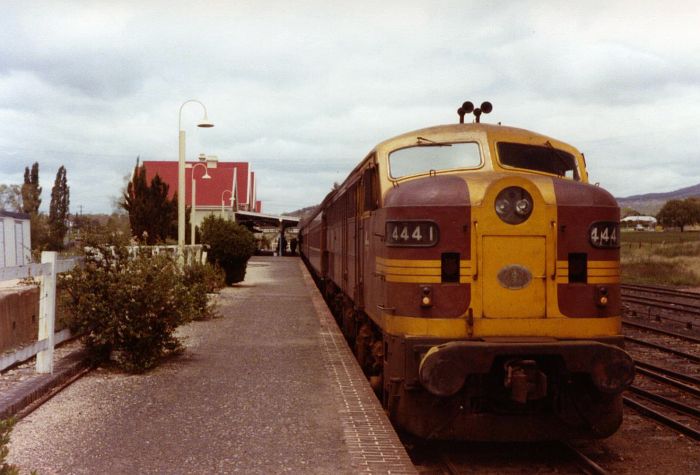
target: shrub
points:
(127, 309)
(5, 430)
(198, 281)
(230, 246)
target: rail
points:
(47, 270)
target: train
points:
(475, 273)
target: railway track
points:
(677, 308)
(662, 328)
(661, 333)
(659, 290)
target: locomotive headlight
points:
(522, 207)
(503, 207)
(514, 205)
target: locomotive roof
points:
(447, 132)
(495, 131)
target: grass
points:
(661, 258)
(665, 237)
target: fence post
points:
(47, 313)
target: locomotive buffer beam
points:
(444, 368)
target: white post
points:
(47, 313)
(181, 193)
(192, 209)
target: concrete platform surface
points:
(270, 387)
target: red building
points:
(231, 186)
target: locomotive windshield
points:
(433, 157)
(541, 158)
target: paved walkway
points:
(267, 388)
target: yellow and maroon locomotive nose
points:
(512, 239)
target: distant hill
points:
(648, 204)
(651, 203)
(301, 213)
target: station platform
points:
(268, 387)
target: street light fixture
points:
(206, 176)
(222, 200)
(204, 123)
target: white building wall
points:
(201, 213)
(3, 258)
(15, 242)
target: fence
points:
(193, 252)
(48, 269)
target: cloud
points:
(303, 90)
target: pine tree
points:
(151, 213)
(165, 210)
(58, 210)
(31, 191)
(135, 203)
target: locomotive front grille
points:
(514, 276)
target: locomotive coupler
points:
(525, 381)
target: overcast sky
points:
(302, 90)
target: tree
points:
(31, 200)
(135, 202)
(58, 210)
(151, 213)
(10, 198)
(230, 246)
(680, 213)
(164, 210)
(31, 191)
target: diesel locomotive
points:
(475, 273)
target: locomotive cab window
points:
(539, 158)
(433, 157)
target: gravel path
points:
(249, 395)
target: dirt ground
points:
(641, 446)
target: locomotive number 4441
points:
(411, 233)
(604, 234)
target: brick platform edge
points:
(39, 386)
(374, 445)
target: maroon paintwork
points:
(444, 200)
(579, 205)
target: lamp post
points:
(206, 176)
(181, 176)
(222, 200)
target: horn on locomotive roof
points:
(468, 108)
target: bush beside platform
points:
(127, 308)
(230, 246)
